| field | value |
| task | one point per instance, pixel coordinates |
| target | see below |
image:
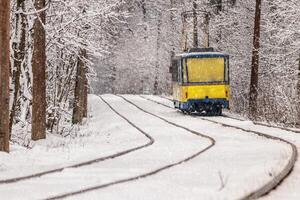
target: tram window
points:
(174, 71)
(205, 70)
(179, 71)
(184, 71)
(226, 69)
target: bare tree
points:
(85, 93)
(298, 89)
(172, 29)
(255, 62)
(39, 73)
(19, 55)
(80, 94)
(158, 46)
(4, 74)
(184, 33)
(195, 25)
(206, 30)
(217, 6)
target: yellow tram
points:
(201, 81)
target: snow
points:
(289, 188)
(238, 164)
(98, 138)
(201, 53)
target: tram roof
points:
(202, 55)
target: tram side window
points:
(179, 71)
(226, 69)
(184, 71)
(174, 70)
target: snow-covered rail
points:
(280, 177)
(228, 116)
(150, 173)
(89, 162)
(248, 161)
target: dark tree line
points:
(23, 41)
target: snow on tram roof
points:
(201, 55)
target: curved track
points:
(279, 178)
(224, 115)
(97, 160)
(258, 193)
(150, 173)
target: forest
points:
(55, 52)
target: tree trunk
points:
(255, 63)
(113, 78)
(143, 4)
(144, 10)
(158, 43)
(172, 40)
(4, 74)
(172, 27)
(85, 93)
(184, 33)
(206, 31)
(39, 74)
(298, 92)
(195, 25)
(217, 8)
(80, 93)
(19, 54)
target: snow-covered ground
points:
(289, 189)
(238, 164)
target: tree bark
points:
(39, 74)
(206, 30)
(143, 4)
(80, 94)
(255, 63)
(19, 54)
(158, 44)
(172, 27)
(298, 92)
(217, 8)
(184, 33)
(172, 40)
(195, 25)
(4, 74)
(85, 92)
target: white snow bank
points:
(103, 134)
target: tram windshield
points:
(207, 70)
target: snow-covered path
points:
(158, 155)
(289, 189)
(239, 163)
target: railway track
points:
(278, 179)
(224, 115)
(97, 160)
(260, 192)
(150, 173)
